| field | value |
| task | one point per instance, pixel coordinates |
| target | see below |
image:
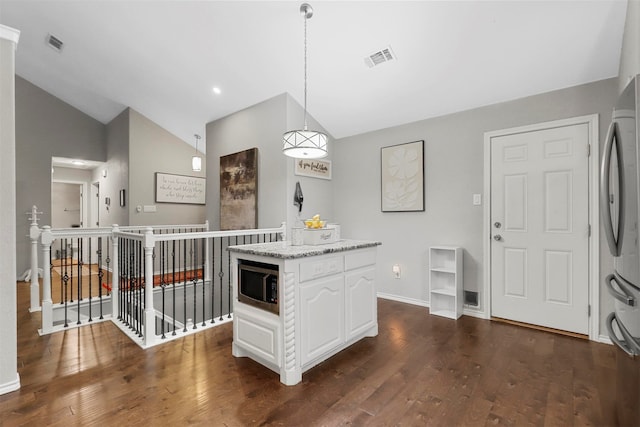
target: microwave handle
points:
(615, 245)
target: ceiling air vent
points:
(380, 57)
(54, 43)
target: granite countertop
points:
(285, 250)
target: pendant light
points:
(196, 161)
(305, 144)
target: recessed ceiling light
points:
(216, 90)
(78, 162)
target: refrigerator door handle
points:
(628, 344)
(615, 244)
(626, 296)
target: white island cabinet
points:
(327, 301)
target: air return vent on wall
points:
(54, 43)
(380, 57)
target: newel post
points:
(34, 235)
(207, 252)
(149, 311)
(115, 273)
(46, 239)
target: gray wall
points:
(117, 172)
(454, 171)
(630, 54)
(170, 154)
(46, 127)
(262, 126)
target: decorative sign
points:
(402, 180)
(313, 168)
(180, 189)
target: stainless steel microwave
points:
(258, 285)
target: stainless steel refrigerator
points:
(620, 210)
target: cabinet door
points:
(321, 317)
(361, 312)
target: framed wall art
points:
(172, 188)
(313, 168)
(239, 190)
(402, 177)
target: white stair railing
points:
(176, 267)
(143, 271)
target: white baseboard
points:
(421, 303)
(11, 385)
(474, 313)
(604, 339)
(405, 300)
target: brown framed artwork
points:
(239, 190)
(402, 177)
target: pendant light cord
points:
(305, 71)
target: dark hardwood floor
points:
(420, 370)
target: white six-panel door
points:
(539, 227)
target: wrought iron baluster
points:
(194, 275)
(229, 278)
(70, 260)
(79, 243)
(60, 262)
(141, 287)
(173, 281)
(184, 289)
(204, 260)
(100, 273)
(65, 279)
(121, 274)
(213, 280)
(221, 275)
(90, 276)
(162, 284)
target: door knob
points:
(497, 224)
(497, 237)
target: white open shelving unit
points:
(445, 281)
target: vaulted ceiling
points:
(162, 58)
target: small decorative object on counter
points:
(315, 222)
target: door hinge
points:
(588, 150)
(589, 230)
(589, 310)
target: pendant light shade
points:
(305, 144)
(196, 161)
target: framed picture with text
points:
(313, 168)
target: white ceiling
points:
(162, 58)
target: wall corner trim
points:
(9, 33)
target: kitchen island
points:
(326, 302)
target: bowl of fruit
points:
(315, 222)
